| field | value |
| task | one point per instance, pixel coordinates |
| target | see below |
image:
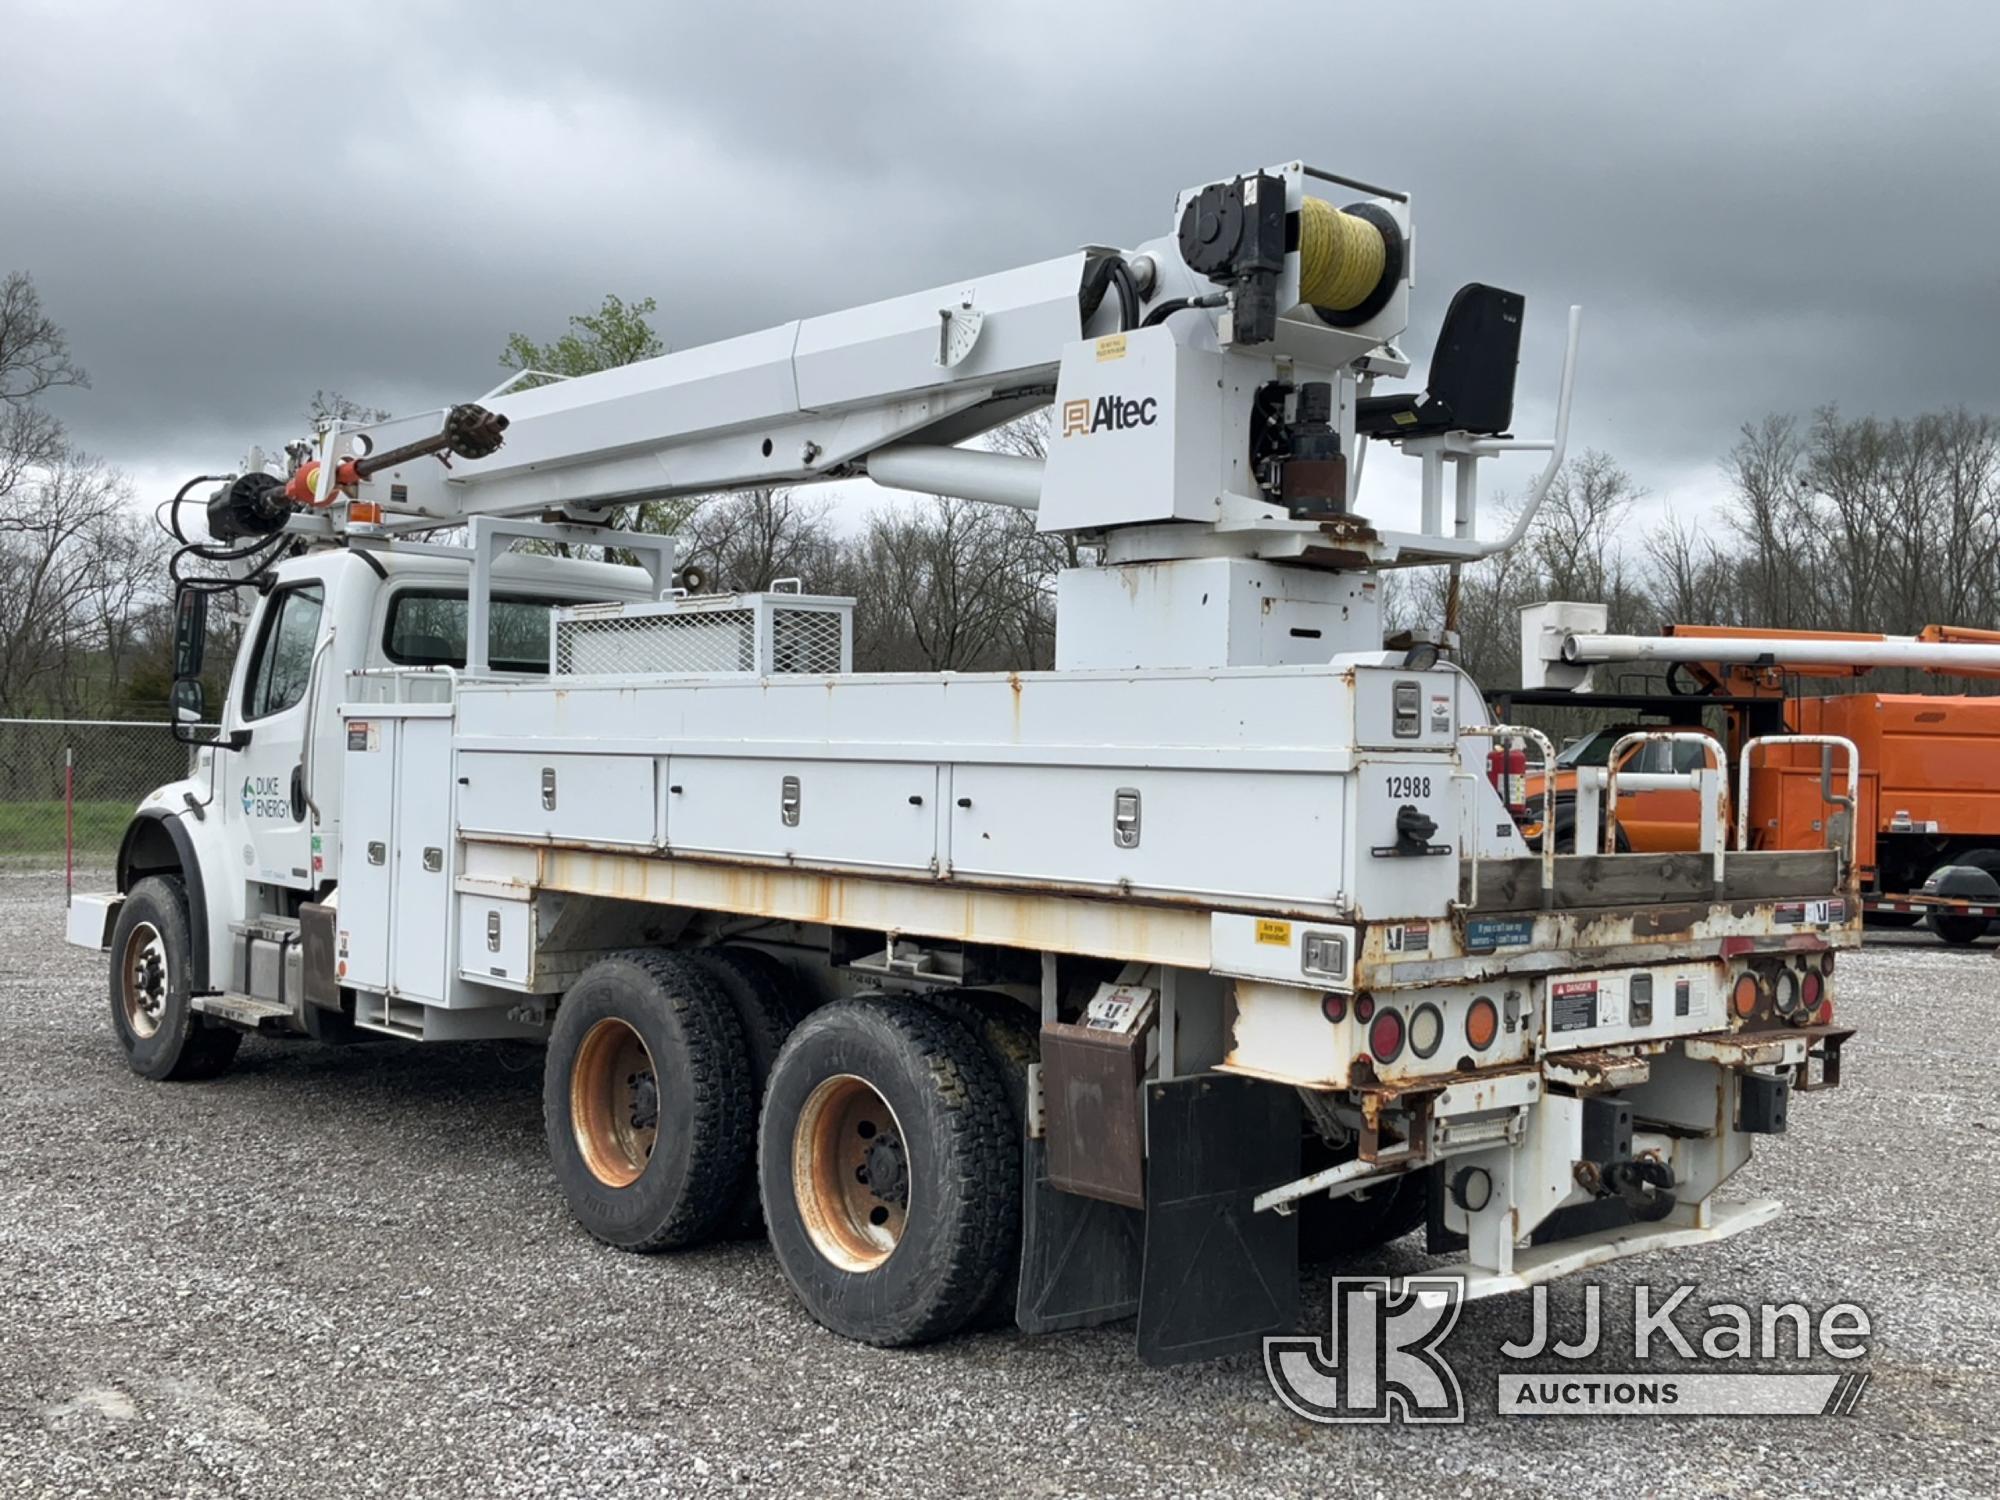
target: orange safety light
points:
(1744, 997)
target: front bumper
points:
(91, 915)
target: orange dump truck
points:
(1927, 821)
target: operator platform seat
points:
(1472, 373)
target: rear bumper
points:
(1701, 1224)
(91, 914)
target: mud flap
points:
(1080, 1257)
(1218, 1276)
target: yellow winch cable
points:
(1340, 256)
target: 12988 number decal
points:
(1409, 786)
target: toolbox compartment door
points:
(588, 799)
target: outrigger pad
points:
(1080, 1257)
(1218, 1277)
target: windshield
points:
(1591, 750)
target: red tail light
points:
(1334, 1008)
(1385, 1035)
(1811, 997)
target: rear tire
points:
(891, 1171)
(1960, 932)
(647, 1102)
(1333, 1228)
(1963, 931)
(767, 1009)
(1011, 1035)
(152, 989)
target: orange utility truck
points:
(1926, 821)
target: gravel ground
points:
(347, 1272)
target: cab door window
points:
(283, 663)
(1689, 756)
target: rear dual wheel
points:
(648, 1101)
(889, 1159)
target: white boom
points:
(1562, 641)
(1186, 358)
(1780, 651)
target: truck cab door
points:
(1662, 821)
(275, 701)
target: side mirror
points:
(190, 633)
(187, 701)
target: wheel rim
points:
(143, 979)
(850, 1173)
(614, 1103)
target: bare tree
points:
(332, 406)
(34, 353)
(79, 567)
(953, 585)
(749, 539)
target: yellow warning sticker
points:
(1277, 934)
(1111, 346)
(1400, 418)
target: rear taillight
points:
(1426, 1030)
(1785, 992)
(1743, 998)
(1334, 1008)
(1385, 1035)
(1482, 1024)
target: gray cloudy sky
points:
(1760, 205)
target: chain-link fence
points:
(73, 783)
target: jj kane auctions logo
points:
(1383, 1359)
(1109, 413)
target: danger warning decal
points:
(1572, 1004)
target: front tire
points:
(647, 1102)
(1564, 830)
(152, 989)
(890, 1167)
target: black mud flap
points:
(1080, 1257)
(1219, 1277)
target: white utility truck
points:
(1057, 996)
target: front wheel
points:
(890, 1167)
(1565, 834)
(152, 989)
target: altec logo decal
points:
(1113, 413)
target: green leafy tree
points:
(616, 334)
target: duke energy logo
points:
(264, 797)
